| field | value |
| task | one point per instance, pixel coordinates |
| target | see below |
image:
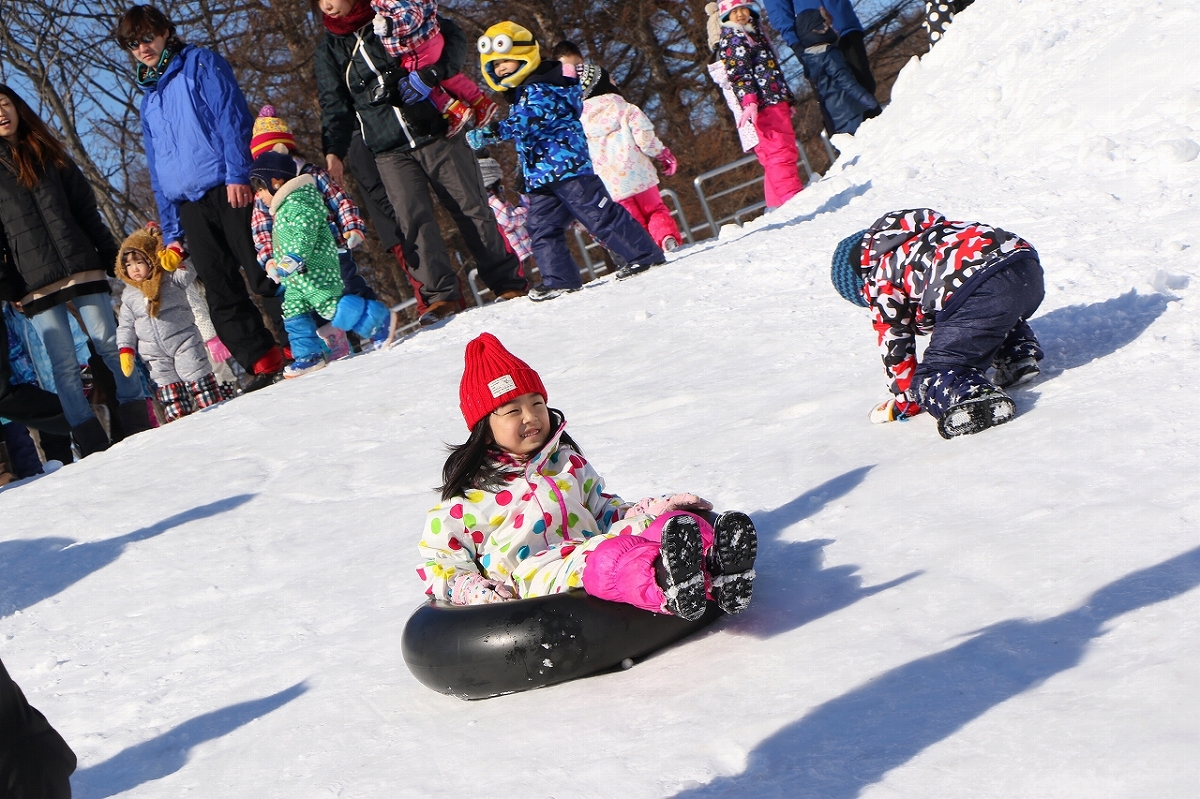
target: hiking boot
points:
(677, 570)
(511, 294)
(730, 560)
(437, 311)
(542, 292)
(629, 270)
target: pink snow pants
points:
(777, 153)
(622, 568)
(648, 209)
(428, 53)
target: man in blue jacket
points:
(196, 128)
(783, 13)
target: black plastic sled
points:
(479, 651)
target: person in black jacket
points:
(61, 252)
(35, 761)
(361, 86)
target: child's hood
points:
(148, 243)
(603, 115)
(281, 194)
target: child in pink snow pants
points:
(523, 514)
(765, 97)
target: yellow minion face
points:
(507, 41)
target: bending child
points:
(306, 265)
(156, 322)
(546, 102)
(523, 514)
(973, 287)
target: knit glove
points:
(127, 356)
(667, 159)
(475, 589)
(382, 25)
(657, 506)
(897, 409)
(171, 256)
(481, 137)
(288, 265)
(217, 349)
(749, 111)
(353, 239)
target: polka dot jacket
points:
(534, 534)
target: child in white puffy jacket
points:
(623, 146)
(523, 514)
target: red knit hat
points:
(491, 377)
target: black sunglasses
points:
(134, 44)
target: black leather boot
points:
(135, 417)
(90, 437)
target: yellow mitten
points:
(127, 356)
(171, 256)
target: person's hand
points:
(353, 239)
(381, 25)
(657, 506)
(239, 195)
(272, 270)
(333, 165)
(127, 356)
(896, 409)
(667, 159)
(475, 589)
(290, 264)
(172, 256)
(749, 112)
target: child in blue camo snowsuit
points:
(546, 102)
(972, 287)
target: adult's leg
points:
(548, 220)
(607, 220)
(96, 311)
(405, 179)
(854, 50)
(777, 153)
(22, 452)
(54, 326)
(35, 761)
(234, 315)
(453, 170)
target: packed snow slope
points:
(215, 608)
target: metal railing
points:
(713, 225)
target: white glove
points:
(353, 239)
(382, 25)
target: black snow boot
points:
(730, 561)
(90, 437)
(987, 408)
(135, 417)
(678, 567)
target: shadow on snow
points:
(1079, 334)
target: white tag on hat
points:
(501, 386)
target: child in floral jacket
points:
(752, 66)
(523, 513)
(969, 284)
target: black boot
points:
(678, 570)
(90, 437)
(135, 417)
(56, 447)
(730, 561)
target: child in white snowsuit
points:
(156, 322)
(970, 285)
(545, 102)
(306, 265)
(523, 514)
(765, 97)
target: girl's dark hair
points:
(142, 21)
(37, 147)
(470, 463)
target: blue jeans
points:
(96, 311)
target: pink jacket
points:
(622, 142)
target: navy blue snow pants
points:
(989, 325)
(584, 198)
(841, 95)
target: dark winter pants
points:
(855, 52)
(450, 167)
(584, 198)
(988, 325)
(842, 96)
(355, 283)
(35, 761)
(219, 239)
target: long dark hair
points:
(37, 147)
(472, 463)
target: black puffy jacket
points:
(54, 231)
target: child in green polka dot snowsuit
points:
(523, 513)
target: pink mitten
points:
(475, 589)
(217, 349)
(749, 111)
(657, 506)
(667, 159)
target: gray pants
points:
(450, 167)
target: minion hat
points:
(269, 130)
(726, 6)
(507, 41)
(846, 272)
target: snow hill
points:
(214, 608)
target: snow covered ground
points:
(215, 608)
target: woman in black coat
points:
(61, 252)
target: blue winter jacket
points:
(196, 128)
(544, 124)
(782, 14)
